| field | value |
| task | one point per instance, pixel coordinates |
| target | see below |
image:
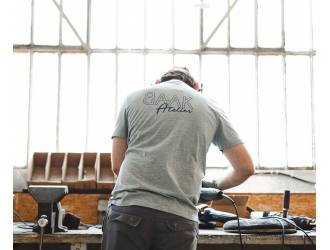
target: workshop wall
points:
(85, 205)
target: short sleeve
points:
(121, 126)
(225, 136)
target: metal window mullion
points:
(28, 141)
(144, 40)
(228, 59)
(285, 99)
(22, 48)
(173, 30)
(201, 38)
(312, 86)
(59, 79)
(88, 73)
(116, 57)
(256, 66)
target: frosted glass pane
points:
(216, 86)
(131, 24)
(243, 100)
(186, 29)
(212, 16)
(22, 21)
(46, 22)
(158, 24)
(19, 112)
(299, 111)
(103, 24)
(76, 11)
(73, 103)
(101, 102)
(189, 61)
(269, 23)
(44, 102)
(215, 79)
(156, 66)
(271, 112)
(242, 24)
(297, 24)
(130, 75)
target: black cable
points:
(283, 231)
(238, 225)
(299, 228)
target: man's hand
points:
(242, 167)
(119, 147)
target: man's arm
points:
(242, 167)
(119, 147)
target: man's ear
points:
(196, 87)
(157, 81)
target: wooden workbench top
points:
(215, 236)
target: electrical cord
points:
(238, 225)
(297, 227)
(283, 231)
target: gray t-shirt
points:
(169, 128)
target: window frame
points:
(204, 49)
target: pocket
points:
(127, 219)
(105, 218)
(181, 226)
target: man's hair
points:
(179, 73)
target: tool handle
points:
(286, 203)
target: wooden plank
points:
(217, 236)
(85, 205)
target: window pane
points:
(22, 21)
(189, 61)
(131, 24)
(212, 16)
(299, 111)
(215, 79)
(44, 103)
(101, 102)
(46, 22)
(186, 19)
(19, 111)
(103, 24)
(158, 24)
(271, 112)
(156, 66)
(297, 24)
(216, 86)
(243, 100)
(130, 75)
(73, 103)
(242, 24)
(76, 11)
(269, 23)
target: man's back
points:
(169, 128)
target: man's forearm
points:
(231, 179)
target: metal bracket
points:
(78, 246)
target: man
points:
(160, 143)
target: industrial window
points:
(77, 59)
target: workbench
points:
(208, 239)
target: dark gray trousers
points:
(141, 228)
